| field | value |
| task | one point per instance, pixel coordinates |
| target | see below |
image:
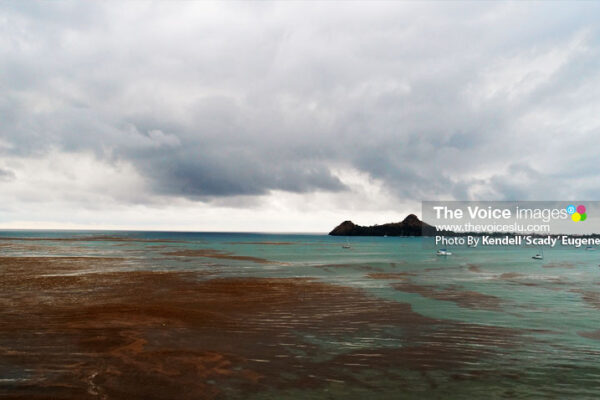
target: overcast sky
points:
(290, 116)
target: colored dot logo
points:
(577, 214)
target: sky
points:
(290, 116)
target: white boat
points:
(347, 245)
(539, 256)
(443, 252)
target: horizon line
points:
(152, 230)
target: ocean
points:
(110, 315)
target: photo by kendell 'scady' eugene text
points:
(519, 240)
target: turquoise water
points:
(553, 304)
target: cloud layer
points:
(230, 104)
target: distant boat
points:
(539, 256)
(443, 252)
(347, 245)
(590, 248)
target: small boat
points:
(590, 248)
(443, 252)
(539, 256)
(347, 245)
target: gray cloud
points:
(449, 100)
(6, 175)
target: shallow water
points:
(484, 322)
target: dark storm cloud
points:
(447, 100)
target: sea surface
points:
(383, 319)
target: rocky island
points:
(410, 226)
